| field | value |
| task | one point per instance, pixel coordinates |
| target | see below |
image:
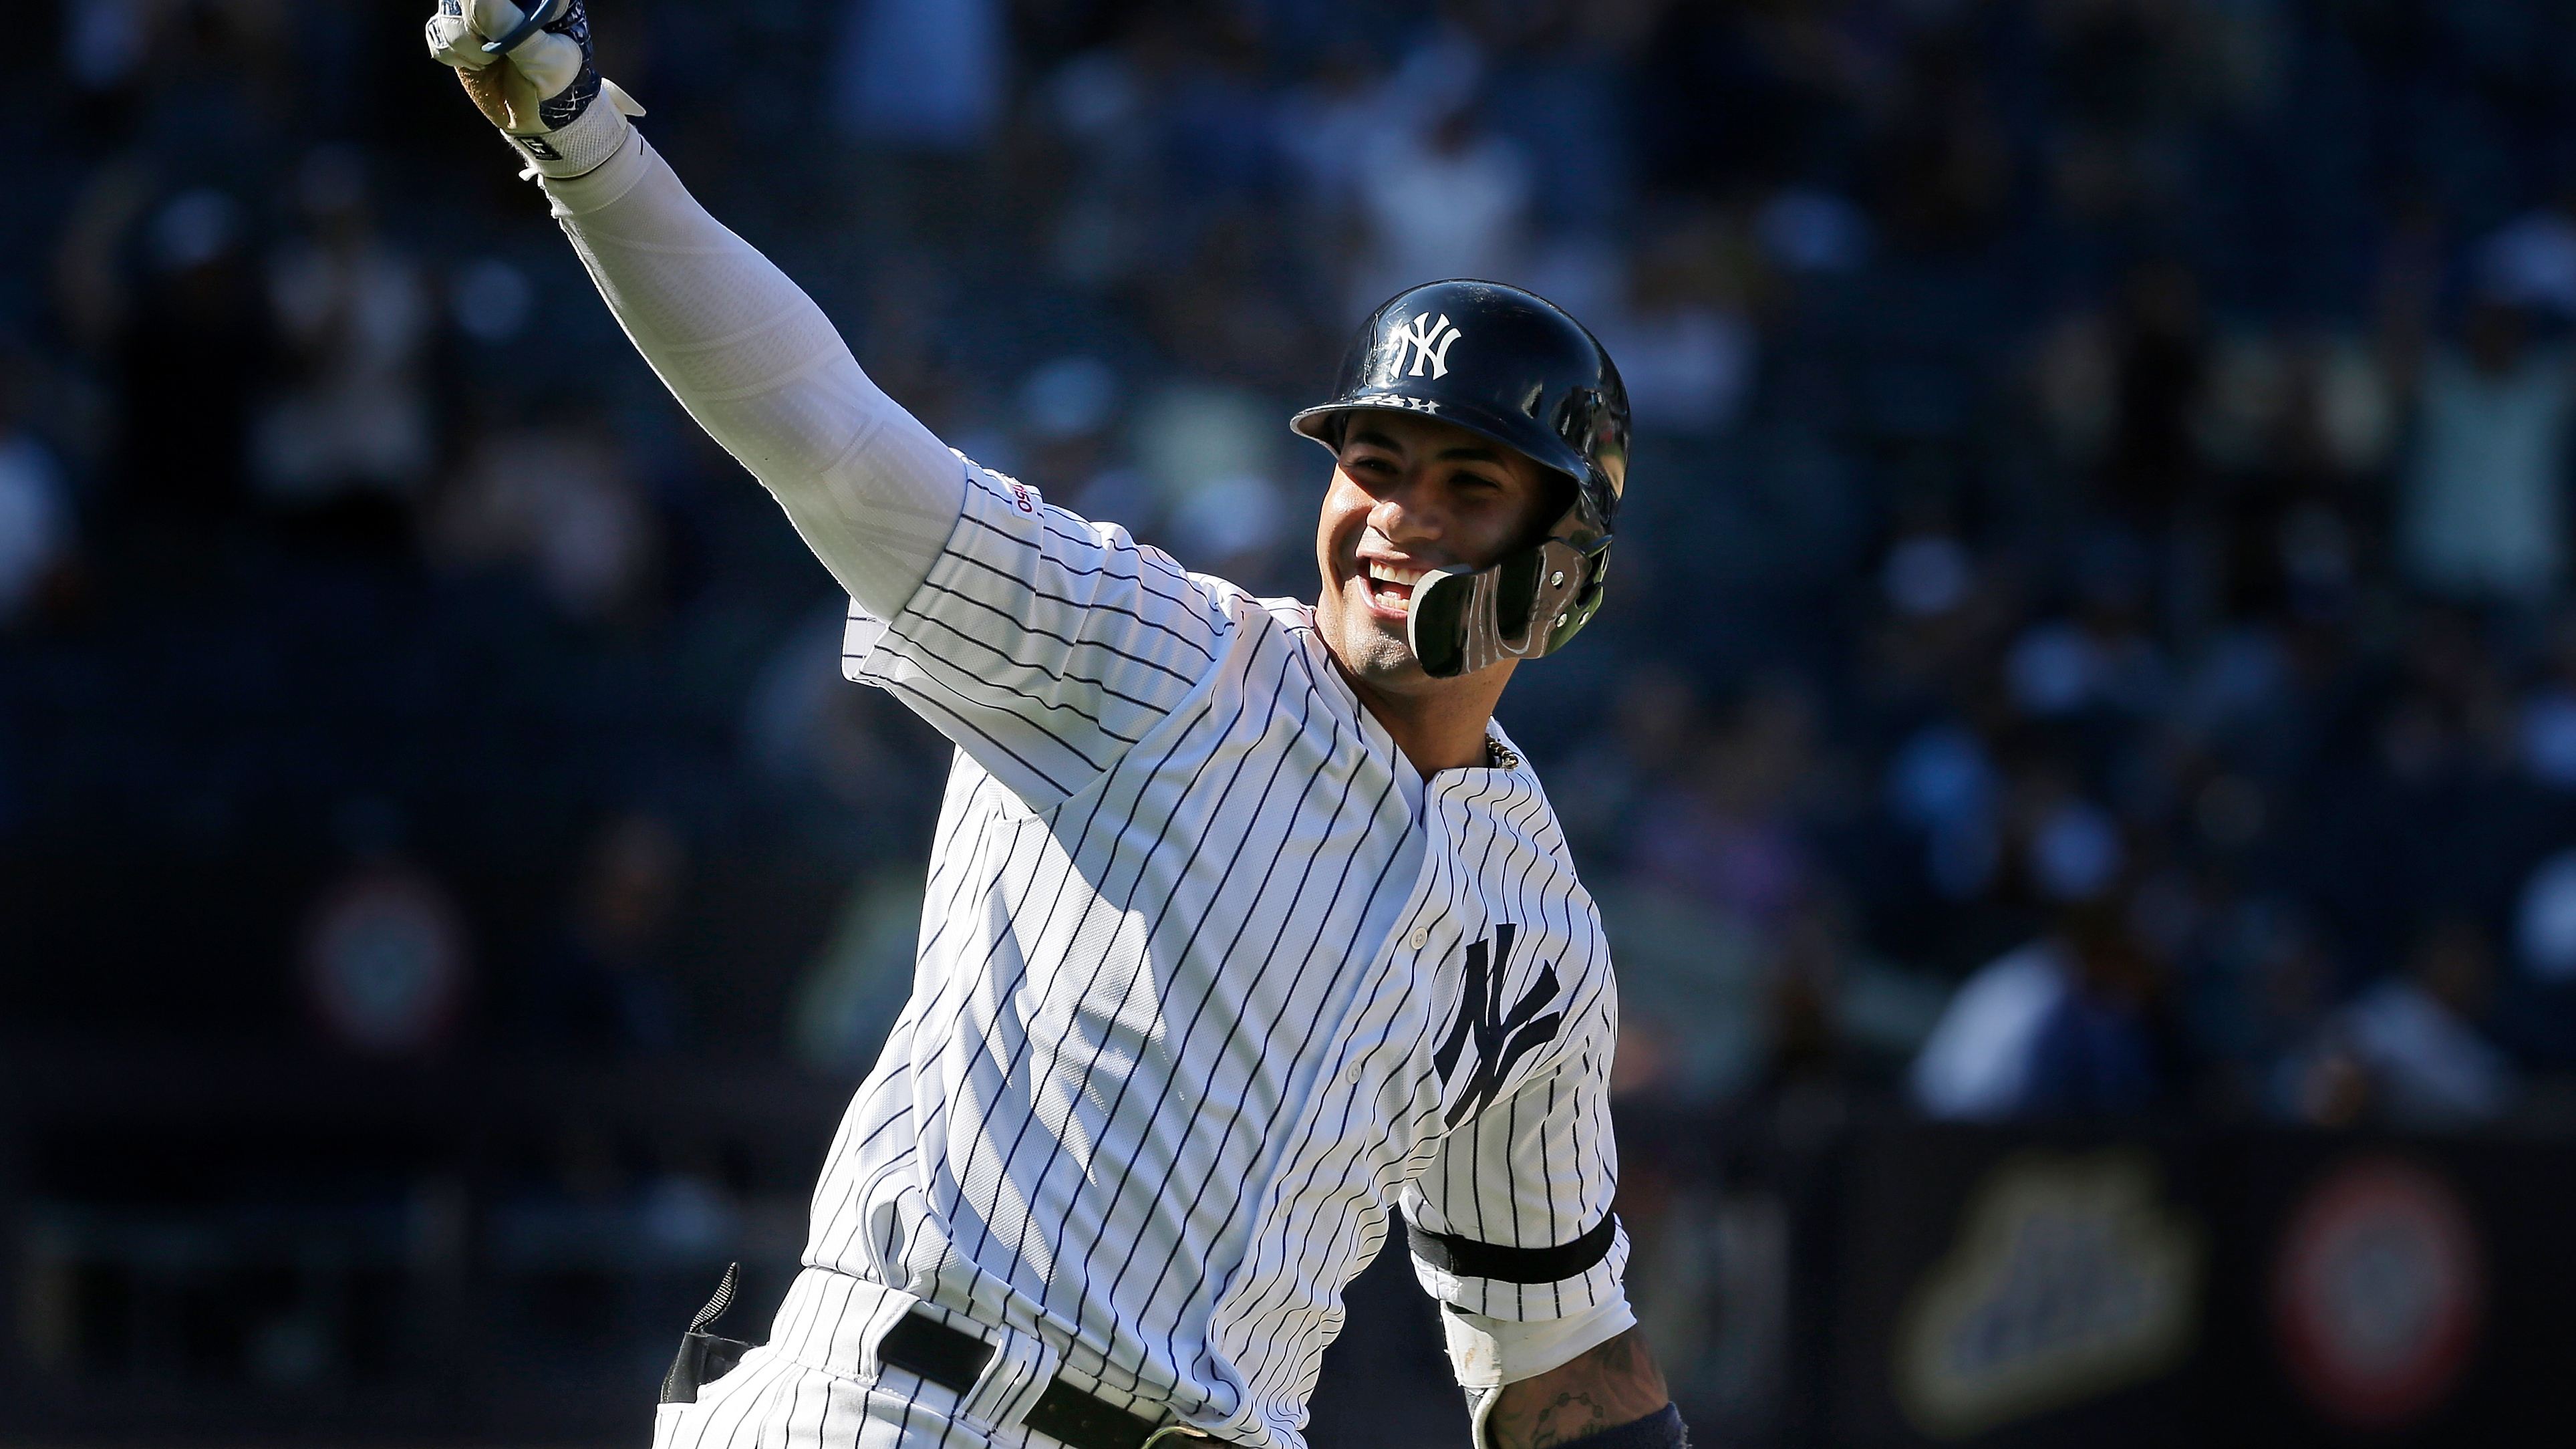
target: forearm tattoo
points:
(1614, 1384)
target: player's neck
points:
(1441, 727)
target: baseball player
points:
(1244, 920)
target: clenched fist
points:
(540, 90)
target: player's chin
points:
(1371, 640)
(1381, 657)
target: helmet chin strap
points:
(1462, 621)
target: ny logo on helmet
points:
(1424, 340)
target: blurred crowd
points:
(2091, 631)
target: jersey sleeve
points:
(1043, 644)
(1512, 1217)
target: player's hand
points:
(542, 91)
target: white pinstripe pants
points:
(771, 1401)
(817, 1384)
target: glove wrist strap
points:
(577, 149)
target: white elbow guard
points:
(1487, 1353)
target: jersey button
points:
(1421, 937)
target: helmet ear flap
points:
(1524, 607)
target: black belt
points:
(918, 1343)
(954, 1359)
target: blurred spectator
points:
(1944, 608)
(2531, 261)
(1560, 63)
(2150, 464)
(2408, 1051)
(1696, 997)
(1439, 195)
(1727, 839)
(1686, 347)
(1098, 104)
(104, 43)
(1978, 1063)
(1806, 230)
(1327, 124)
(2071, 847)
(490, 299)
(1942, 782)
(848, 1000)
(2536, 1016)
(2484, 514)
(839, 754)
(1927, 575)
(1653, 727)
(2059, 667)
(2061, 1027)
(2262, 986)
(562, 499)
(353, 420)
(2545, 924)
(919, 73)
(385, 961)
(190, 356)
(1946, 167)
(1213, 456)
(2546, 719)
(37, 536)
(606, 985)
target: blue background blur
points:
(2098, 533)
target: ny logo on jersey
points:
(1424, 340)
(1500, 1040)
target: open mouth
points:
(1391, 588)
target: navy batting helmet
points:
(1510, 365)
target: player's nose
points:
(1406, 513)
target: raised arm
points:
(1043, 644)
(751, 357)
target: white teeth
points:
(1381, 573)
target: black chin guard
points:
(1524, 607)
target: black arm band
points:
(1471, 1259)
(1662, 1429)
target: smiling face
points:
(1411, 494)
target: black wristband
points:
(1662, 1429)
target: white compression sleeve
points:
(1491, 1352)
(762, 370)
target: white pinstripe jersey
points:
(1208, 976)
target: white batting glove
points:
(541, 92)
